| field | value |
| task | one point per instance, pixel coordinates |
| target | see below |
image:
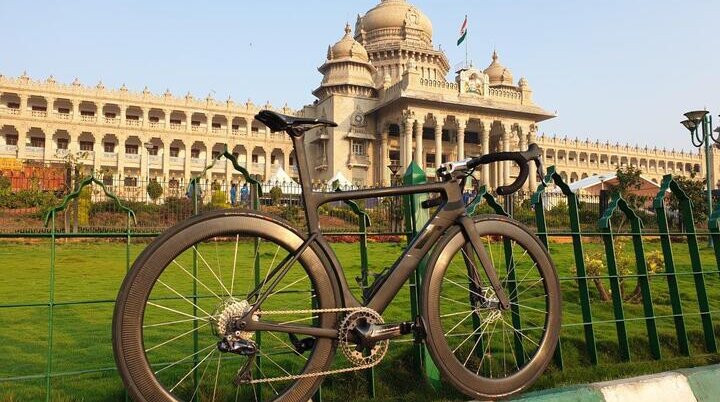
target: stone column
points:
(485, 142)
(98, 149)
(439, 122)
(121, 154)
(188, 150)
(123, 111)
(419, 143)
(188, 122)
(76, 110)
(50, 105)
(461, 124)
(166, 158)
(531, 138)
(23, 104)
(267, 163)
(146, 117)
(406, 143)
(384, 155)
(209, 122)
(523, 146)
(167, 119)
(506, 164)
(208, 158)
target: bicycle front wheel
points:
(175, 306)
(485, 351)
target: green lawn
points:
(91, 272)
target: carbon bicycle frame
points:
(451, 212)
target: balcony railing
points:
(197, 129)
(112, 120)
(177, 161)
(63, 116)
(9, 110)
(257, 167)
(37, 152)
(156, 124)
(362, 160)
(9, 149)
(132, 157)
(132, 123)
(258, 134)
(61, 153)
(237, 131)
(175, 126)
(38, 113)
(218, 130)
(197, 162)
(110, 156)
(155, 160)
(89, 119)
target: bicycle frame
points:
(450, 212)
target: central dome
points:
(392, 15)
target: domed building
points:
(386, 86)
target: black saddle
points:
(281, 122)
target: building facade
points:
(384, 84)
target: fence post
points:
(573, 212)
(673, 288)
(415, 218)
(694, 250)
(363, 223)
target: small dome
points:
(396, 14)
(498, 74)
(522, 83)
(348, 47)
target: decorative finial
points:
(494, 56)
(188, 96)
(51, 79)
(76, 82)
(123, 88)
(348, 30)
(100, 85)
(25, 76)
(146, 91)
(168, 93)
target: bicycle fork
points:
(468, 226)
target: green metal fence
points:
(45, 324)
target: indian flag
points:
(463, 32)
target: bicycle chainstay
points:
(319, 373)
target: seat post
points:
(309, 200)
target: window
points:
(108, 180)
(154, 119)
(235, 126)
(174, 152)
(254, 158)
(358, 148)
(37, 142)
(254, 129)
(273, 159)
(110, 115)
(216, 125)
(174, 183)
(64, 110)
(292, 160)
(215, 154)
(153, 151)
(175, 121)
(195, 123)
(87, 113)
(130, 182)
(86, 145)
(109, 147)
(13, 105)
(195, 153)
(11, 139)
(131, 149)
(39, 108)
(62, 143)
(131, 117)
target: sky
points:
(613, 70)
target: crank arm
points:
(469, 228)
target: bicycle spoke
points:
(232, 280)
(197, 280)
(211, 270)
(175, 338)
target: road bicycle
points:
(240, 305)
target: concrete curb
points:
(701, 384)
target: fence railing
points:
(637, 284)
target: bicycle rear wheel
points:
(485, 351)
(175, 305)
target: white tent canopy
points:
(343, 181)
(282, 180)
(593, 184)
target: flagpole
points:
(466, 47)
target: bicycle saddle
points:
(282, 122)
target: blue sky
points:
(613, 70)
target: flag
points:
(463, 32)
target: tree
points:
(275, 195)
(629, 182)
(695, 190)
(154, 190)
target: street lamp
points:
(701, 118)
(394, 169)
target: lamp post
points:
(702, 119)
(148, 146)
(394, 169)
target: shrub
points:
(154, 190)
(275, 195)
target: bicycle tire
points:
(448, 353)
(128, 319)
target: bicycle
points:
(239, 305)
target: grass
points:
(88, 275)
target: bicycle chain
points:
(319, 373)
